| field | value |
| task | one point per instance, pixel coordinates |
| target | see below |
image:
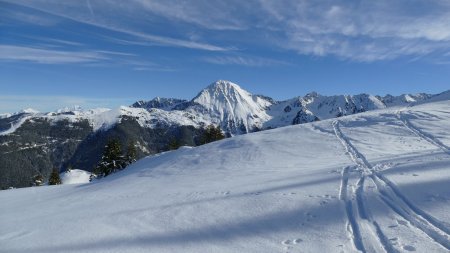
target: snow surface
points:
(75, 176)
(372, 182)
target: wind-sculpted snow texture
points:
(372, 182)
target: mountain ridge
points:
(234, 109)
(36, 142)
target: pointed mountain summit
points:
(234, 108)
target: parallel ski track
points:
(353, 226)
(361, 218)
(394, 199)
(427, 137)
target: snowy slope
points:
(17, 119)
(374, 182)
(15, 125)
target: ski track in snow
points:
(427, 137)
(391, 196)
(366, 235)
(353, 226)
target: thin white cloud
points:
(92, 58)
(244, 61)
(214, 16)
(88, 3)
(72, 10)
(364, 31)
(114, 53)
(59, 41)
(25, 17)
(45, 56)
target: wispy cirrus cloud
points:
(106, 19)
(362, 31)
(23, 16)
(216, 15)
(99, 58)
(46, 56)
(247, 61)
(58, 41)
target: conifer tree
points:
(218, 135)
(54, 178)
(94, 174)
(112, 159)
(38, 180)
(174, 144)
(131, 155)
(212, 133)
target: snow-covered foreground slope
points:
(374, 182)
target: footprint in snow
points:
(401, 222)
(394, 241)
(286, 242)
(289, 242)
(297, 241)
(409, 248)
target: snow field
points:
(368, 182)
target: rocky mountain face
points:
(160, 103)
(34, 143)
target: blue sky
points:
(107, 53)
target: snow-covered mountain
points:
(237, 111)
(75, 136)
(234, 109)
(377, 181)
(403, 99)
(222, 103)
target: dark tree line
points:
(114, 159)
(54, 179)
(211, 133)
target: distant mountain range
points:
(32, 142)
